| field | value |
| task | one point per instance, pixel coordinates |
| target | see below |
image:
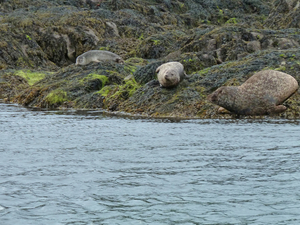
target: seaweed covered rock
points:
(52, 34)
(11, 84)
(160, 45)
(285, 14)
(146, 73)
(19, 50)
(72, 85)
(220, 42)
(235, 42)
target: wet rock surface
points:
(218, 42)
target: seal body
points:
(170, 74)
(97, 56)
(261, 94)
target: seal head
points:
(170, 74)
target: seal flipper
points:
(186, 77)
(222, 110)
(279, 109)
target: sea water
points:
(86, 167)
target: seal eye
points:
(119, 60)
(214, 97)
(221, 90)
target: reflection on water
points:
(70, 167)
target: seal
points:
(98, 56)
(170, 74)
(261, 94)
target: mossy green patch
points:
(156, 42)
(104, 48)
(282, 55)
(126, 90)
(92, 76)
(31, 77)
(232, 21)
(202, 72)
(105, 90)
(57, 96)
(281, 68)
(28, 37)
(130, 69)
(141, 37)
(131, 86)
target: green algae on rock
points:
(56, 97)
(31, 76)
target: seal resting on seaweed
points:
(97, 56)
(261, 94)
(170, 74)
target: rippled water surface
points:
(67, 167)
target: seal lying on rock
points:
(97, 56)
(261, 94)
(170, 74)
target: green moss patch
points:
(92, 76)
(56, 97)
(31, 77)
(131, 86)
(126, 90)
(130, 69)
(105, 90)
(232, 21)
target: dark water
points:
(87, 168)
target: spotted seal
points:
(170, 74)
(98, 56)
(261, 94)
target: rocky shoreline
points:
(218, 42)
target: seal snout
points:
(120, 61)
(169, 76)
(212, 97)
